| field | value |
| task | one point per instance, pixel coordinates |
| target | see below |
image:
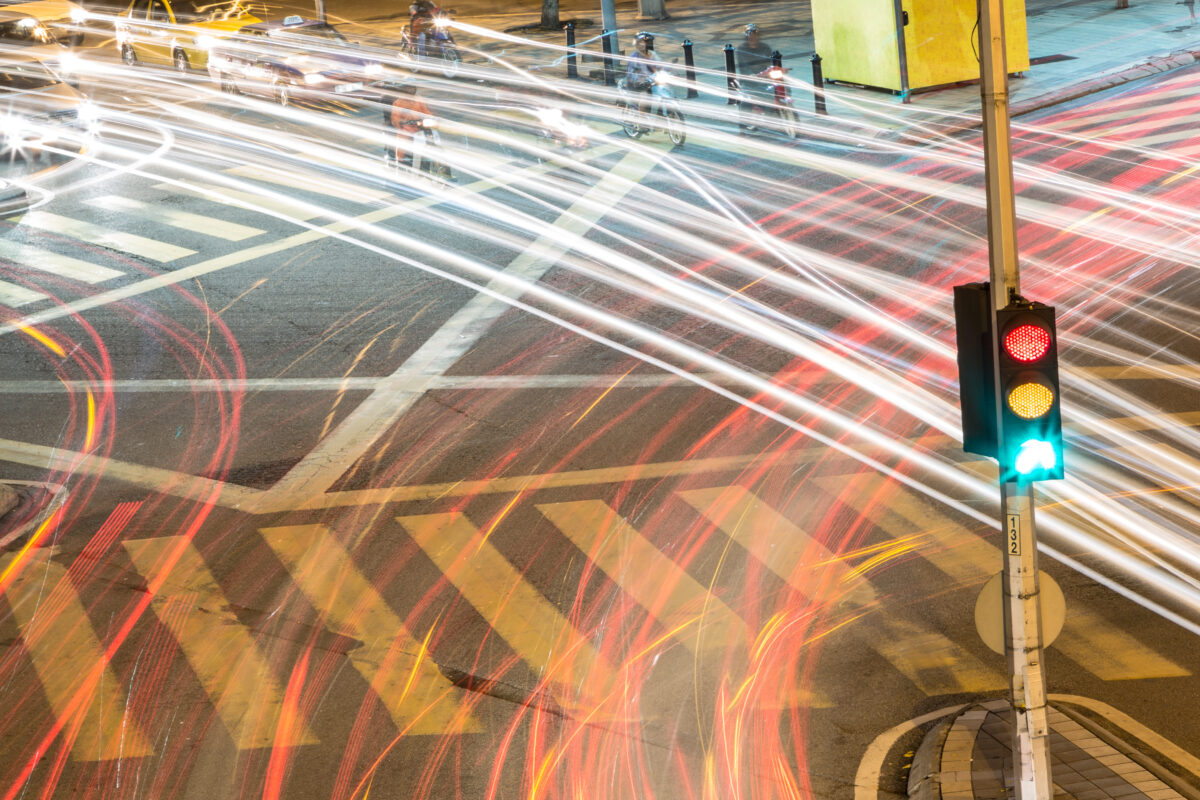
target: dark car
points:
(296, 58)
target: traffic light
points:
(1030, 443)
(976, 370)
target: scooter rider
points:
(421, 14)
(754, 55)
(641, 65)
(408, 111)
(753, 58)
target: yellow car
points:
(64, 18)
(178, 32)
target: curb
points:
(1145, 69)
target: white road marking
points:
(106, 237)
(197, 223)
(330, 459)
(31, 257)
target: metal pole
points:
(902, 48)
(689, 64)
(572, 59)
(818, 85)
(1022, 606)
(608, 17)
(731, 70)
(606, 46)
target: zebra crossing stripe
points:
(420, 699)
(533, 626)
(64, 650)
(934, 663)
(687, 610)
(196, 223)
(1087, 638)
(221, 651)
(243, 200)
(316, 184)
(30, 257)
(104, 236)
(691, 613)
(15, 296)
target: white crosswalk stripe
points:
(105, 237)
(15, 296)
(198, 223)
(30, 257)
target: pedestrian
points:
(1191, 7)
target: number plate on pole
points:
(1014, 534)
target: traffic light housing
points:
(1030, 443)
(976, 370)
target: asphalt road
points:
(673, 514)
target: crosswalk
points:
(98, 240)
(539, 624)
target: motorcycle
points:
(422, 146)
(662, 103)
(770, 96)
(439, 44)
(556, 129)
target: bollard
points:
(777, 59)
(818, 86)
(572, 62)
(606, 45)
(690, 64)
(731, 69)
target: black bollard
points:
(818, 86)
(731, 69)
(572, 62)
(606, 45)
(777, 59)
(690, 64)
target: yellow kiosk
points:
(904, 45)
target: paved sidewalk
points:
(1076, 46)
(969, 757)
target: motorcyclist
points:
(753, 58)
(640, 67)
(408, 111)
(421, 14)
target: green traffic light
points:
(1035, 455)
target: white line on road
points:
(356, 434)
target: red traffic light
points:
(1027, 342)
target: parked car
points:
(179, 32)
(62, 17)
(38, 108)
(297, 58)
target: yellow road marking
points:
(694, 615)
(220, 649)
(690, 613)
(1086, 638)
(64, 651)
(535, 629)
(418, 696)
(934, 663)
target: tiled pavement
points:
(969, 757)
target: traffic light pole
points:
(1022, 601)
